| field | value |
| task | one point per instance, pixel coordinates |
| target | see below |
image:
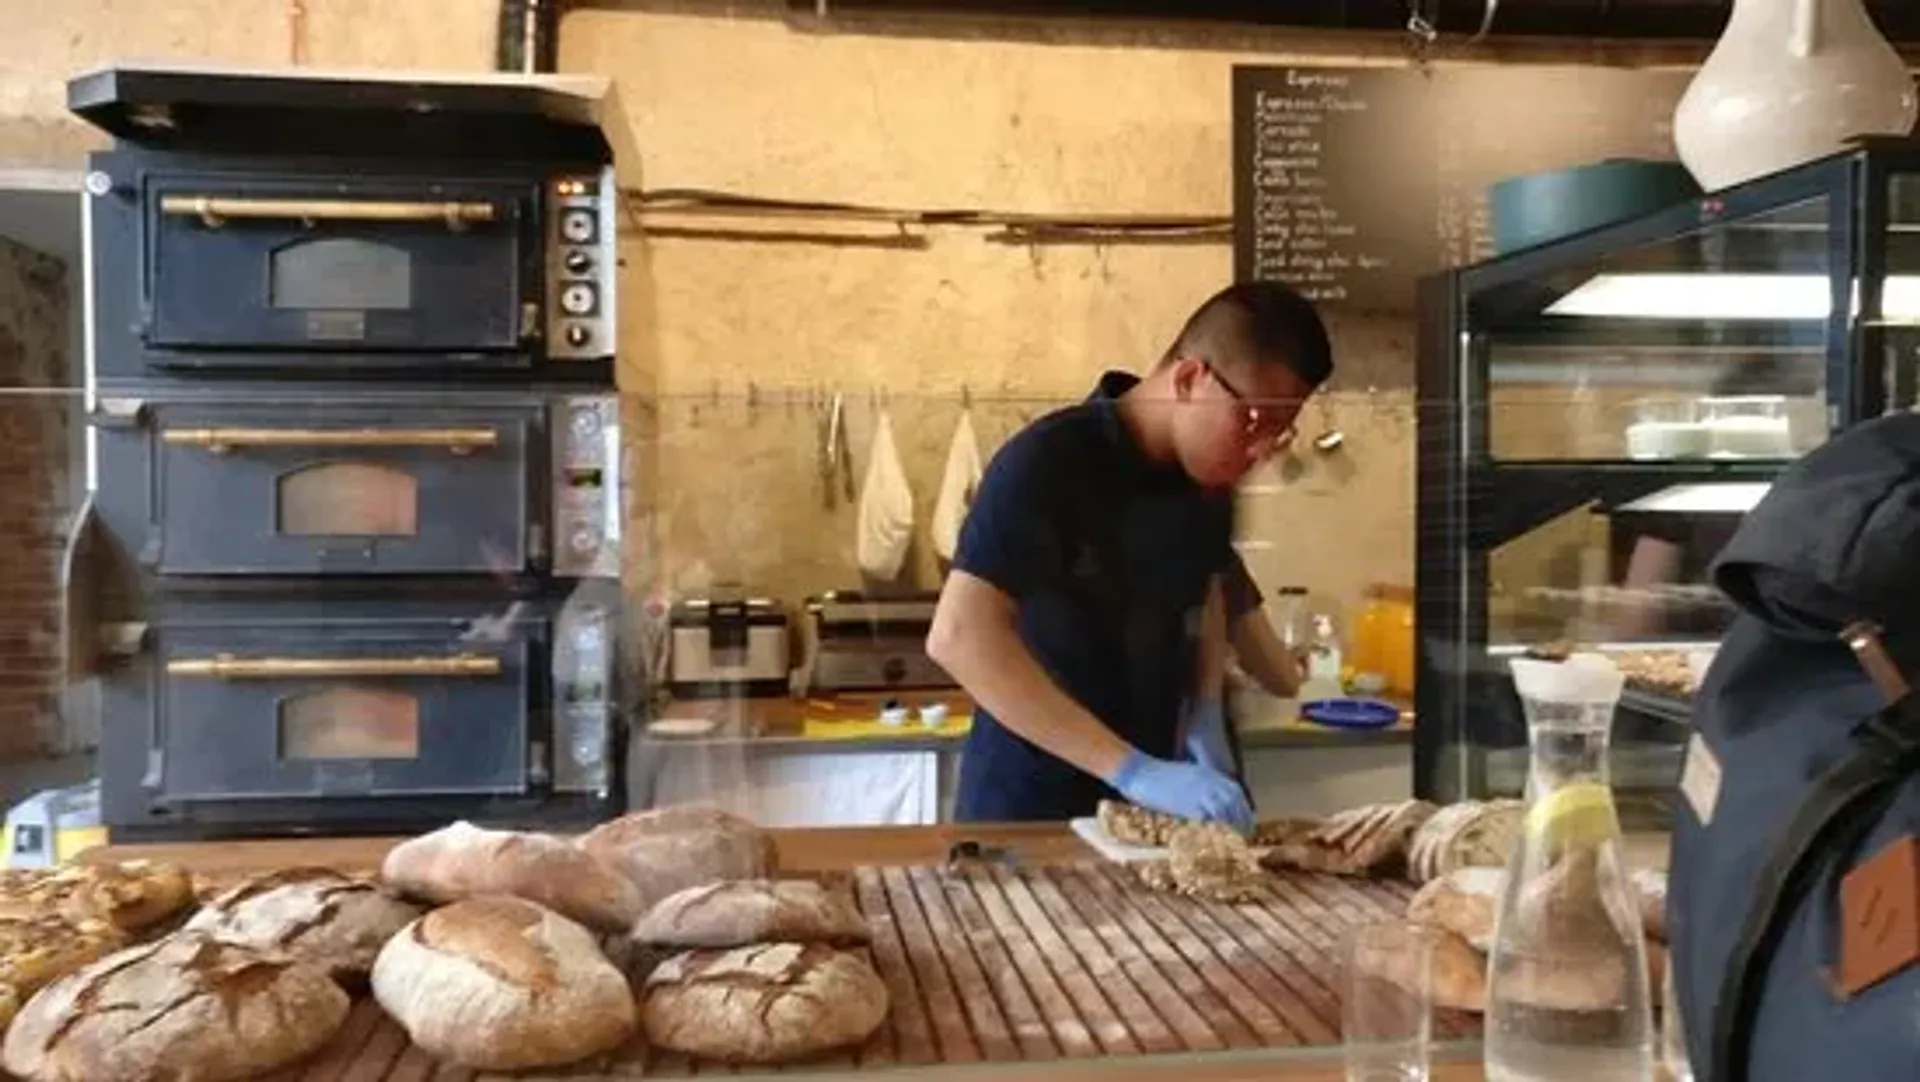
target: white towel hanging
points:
(957, 486)
(886, 507)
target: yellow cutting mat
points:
(820, 728)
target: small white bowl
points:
(933, 715)
(893, 715)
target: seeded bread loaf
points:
(773, 1003)
(743, 912)
(184, 1007)
(1130, 824)
(464, 861)
(666, 850)
(314, 914)
(133, 895)
(502, 984)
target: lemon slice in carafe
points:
(1574, 816)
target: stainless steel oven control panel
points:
(587, 505)
(582, 265)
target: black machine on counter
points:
(353, 551)
(861, 643)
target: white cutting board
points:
(1094, 834)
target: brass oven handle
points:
(212, 210)
(228, 667)
(220, 440)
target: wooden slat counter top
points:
(1061, 968)
(822, 849)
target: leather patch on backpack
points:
(1880, 917)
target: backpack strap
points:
(1841, 808)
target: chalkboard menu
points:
(1351, 183)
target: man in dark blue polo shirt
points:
(1085, 613)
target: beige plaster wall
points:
(919, 114)
(925, 114)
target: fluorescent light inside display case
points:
(1737, 497)
(1768, 297)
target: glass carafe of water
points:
(1567, 993)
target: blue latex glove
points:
(1187, 790)
(1206, 739)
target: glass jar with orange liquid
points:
(1383, 637)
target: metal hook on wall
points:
(1487, 14)
(1422, 32)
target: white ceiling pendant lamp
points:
(1789, 81)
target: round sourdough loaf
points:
(462, 860)
(746, 911)
(185, 1007)
(1462, 901)
(314, 914)
(502, 984)
(666, 850)
(772, 1003)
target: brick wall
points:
(34, 465)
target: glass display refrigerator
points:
(1597, 413)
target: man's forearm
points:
(997, 670)
(1264, 657)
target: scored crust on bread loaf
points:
(502, 984)
(187, 1006)
(463, 861)
(738, 913)
(771, 1003)
(314, 914)
(132, 895)
(664, 851)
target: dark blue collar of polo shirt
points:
(1105, 398)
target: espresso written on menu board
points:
(1332, 181)
(1351, 183)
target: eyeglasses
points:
(1262, 423)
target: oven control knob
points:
(578, 262)
(577, 299)
(578, 335)
(578, 226)
(585, 541)
(586, 419)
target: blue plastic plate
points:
(1351, 713)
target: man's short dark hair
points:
(1265, 322)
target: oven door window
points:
(346, 711)
(341, 264)
(346, 491)
(350, 723)
(348, 499)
